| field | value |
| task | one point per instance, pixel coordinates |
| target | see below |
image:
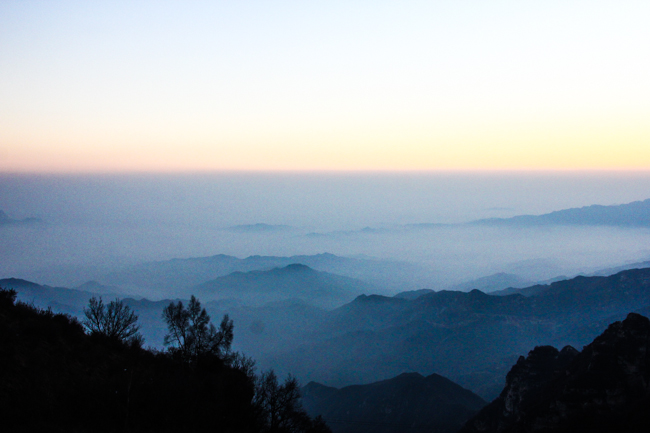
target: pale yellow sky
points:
(139, 86)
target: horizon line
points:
(327, 171)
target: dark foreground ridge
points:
(56, 378)
(408, 403)
(605, 388)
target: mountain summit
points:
(408, 403)
(294, 281)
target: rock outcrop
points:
(604, 388)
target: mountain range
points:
(603, 388)
(470, 337)
(295, 281)
(177, 277)
(492, 283)
(59, 299)
(635, 214)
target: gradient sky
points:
(335, 85)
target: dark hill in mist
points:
(273, 327)
(174, 278)
(619, 291)
(5, 220)
(605, 388)
(492, 283)
(408, 403)
(412, 294)
(635, 214)
(295, 281)
(60, 299)
(617, 269)
(95, 287)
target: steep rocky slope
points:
(605, 388)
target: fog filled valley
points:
(94, 225)
(372, 290)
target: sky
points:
(162, 86)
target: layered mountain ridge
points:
(176, 277)
(472, 338)
(634, 214)
(294, 281)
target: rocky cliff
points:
(604, 388)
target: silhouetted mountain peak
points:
(17, 282)
(633, 323)
(296, 267)
(476, 293)
(407, 403)
(317, 391)
(293, 281)
(408, 376)
(601, 389)
(377, 299)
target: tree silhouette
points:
(191, 335)
(115, 320)
(279, 409)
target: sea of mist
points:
(92, 224)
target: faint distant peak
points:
(494, 282)
(97, 287)
(426, 226)
(259, 228)
(6, 220)
(634, 214)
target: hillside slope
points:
(604, 388)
